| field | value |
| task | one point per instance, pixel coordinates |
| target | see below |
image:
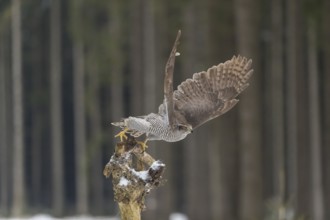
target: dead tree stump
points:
(131, 182)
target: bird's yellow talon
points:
(122, 135)
(143, 144)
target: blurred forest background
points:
(70, 67)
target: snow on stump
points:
(131, 181)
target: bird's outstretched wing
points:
(168, 82)
(212, 93)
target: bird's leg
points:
(143, 144)
(122, 135)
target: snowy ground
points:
(48, 217)
(173, 216)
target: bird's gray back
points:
(161, 130)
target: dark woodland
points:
(68, 68)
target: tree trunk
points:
(326, 109)
(136, 66)
(247, 24)
(56, 108)
(4, 130)
(39, 108)
(298, 158)
(276, 113)
(315, 127)
(158, 203)
(116, 106)
(18, 119)
(79, 108)
(80, 129)
(304, 202)
(223, 164)
(196, 146)
(36, 166)
(149, 59)
(291, 103)
(95, 142)
(223, 157)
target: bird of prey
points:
(207, 95)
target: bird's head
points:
(184, 128)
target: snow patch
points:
(42, 217)
(123, 181)
(144, 175)
(173, 216)
(49, 217)
(178, 216)
(155, 165)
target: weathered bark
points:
(315, 127)
(130, 211)
(80, 129)
(250, 137)
(56, 108)
(130, 183)
(18, 119)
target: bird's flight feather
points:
(212, 93)
(205, 96)
(168, 82)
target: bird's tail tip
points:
(120, 124)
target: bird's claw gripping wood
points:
(122, 135)
(143, 144)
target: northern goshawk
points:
(207, 95)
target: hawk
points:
(205, 96)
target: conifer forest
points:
(68, 68)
